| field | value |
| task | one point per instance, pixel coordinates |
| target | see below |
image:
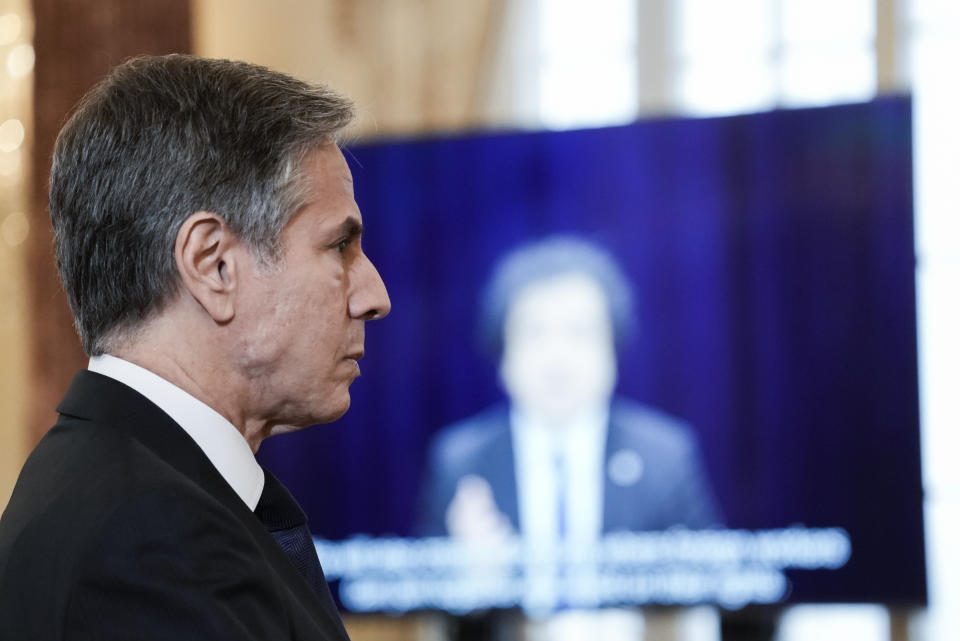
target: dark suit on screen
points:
(120, 528)
(669, 490)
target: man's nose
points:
(369, 299)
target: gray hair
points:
(546, 259)
(158, 139)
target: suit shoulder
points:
(76, 482)
(80, 464)
(651, 425)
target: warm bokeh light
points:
(12, 133)
(20, 60)
(15, 228)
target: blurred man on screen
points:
(565, 461)
(209, 245)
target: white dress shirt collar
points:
(580, 445)
(220, 441)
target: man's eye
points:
(343, 245)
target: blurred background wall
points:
(15, 140)
(418, 66)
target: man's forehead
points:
(560, 283)
(347, 178)
(325, 169)
(556, 293)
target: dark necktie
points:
(284, 519)
(282, 516)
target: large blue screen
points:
(772, 262)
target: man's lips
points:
(354, 357)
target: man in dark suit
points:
(653, 478)
(565, 461)
(209, 245)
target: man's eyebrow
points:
(351, 228)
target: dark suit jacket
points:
(120, 528)
(670, 489)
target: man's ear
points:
(206, 259)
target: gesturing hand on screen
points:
(473, 514)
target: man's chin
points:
(317, 416)
(330, 413)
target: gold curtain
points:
(411, 66)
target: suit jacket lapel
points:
(106, 401)
(497, 466)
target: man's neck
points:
(578, 419)
(189, 360)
